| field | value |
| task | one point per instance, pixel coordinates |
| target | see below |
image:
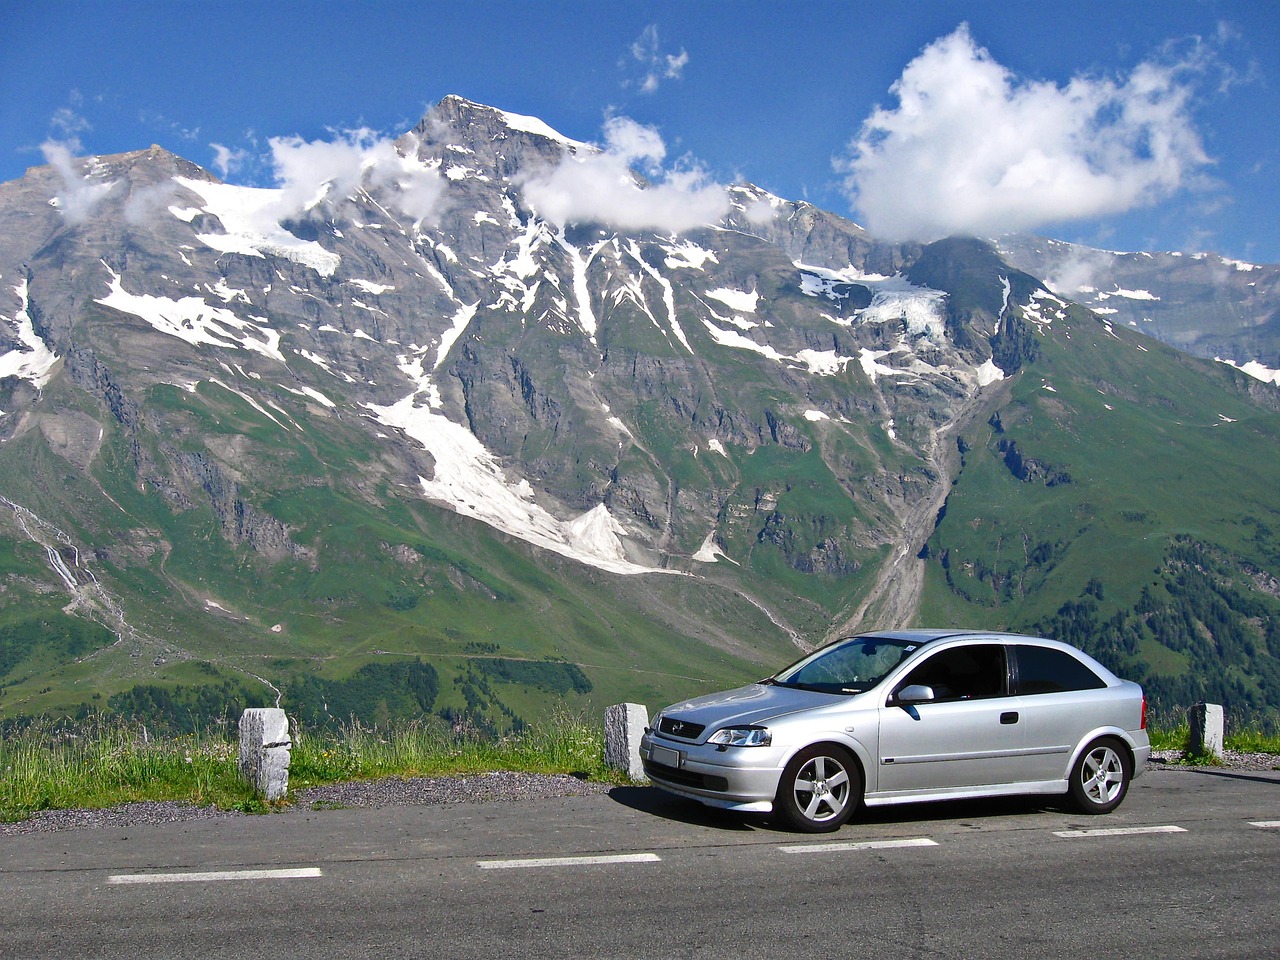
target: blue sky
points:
(1133, 125)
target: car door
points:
(970, 735)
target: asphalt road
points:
(1009, 879)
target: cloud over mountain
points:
(316, 174)
(601, 187)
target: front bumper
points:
(734, 778)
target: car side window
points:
(971, 672)
(1048, 670)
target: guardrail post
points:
(1206, 729)
(264, 751)
(624, 724)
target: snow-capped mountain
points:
(1207, 305)
(411, 400)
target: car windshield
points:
(847, 666)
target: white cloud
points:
(970, 148)
(601, 187)
(318, 175)
(655, 66)
(227, 160)
(79, 195)
(1081, 271)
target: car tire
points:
(1100, 776)
(819, 790)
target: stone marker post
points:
(624, 724)
(264, 751)
(1206, 729)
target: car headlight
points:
(742, 737)
(653, 724)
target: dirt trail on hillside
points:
(894, 598)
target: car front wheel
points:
(1100, 777)
(819, 789)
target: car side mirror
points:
(914, 693)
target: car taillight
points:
(1143, 724)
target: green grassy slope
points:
(1123, 497)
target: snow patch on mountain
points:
(368, 286)
(195, 321)
(251, 402)
(312, 393)
(988, 373)
(869, 360)
(893, 299)
(741, 300)
(1127, 294)
(732, 338)
(458, 325)
(469, 479)
(668, 293)
(35, 363)
(687, 255)
(896, 300)
(709, 552)
(823, 363)
(516, 121)
(251, 218)
(586, 317)
(1254, 369)
(1043, 308)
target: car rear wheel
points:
(1100, 777)
(819, 790)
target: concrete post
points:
(1206, 729)
(264, 751)
(624, 724)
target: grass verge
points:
(1256, 737)
(103, 763)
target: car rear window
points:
(1049, 670)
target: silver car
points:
(903, 716)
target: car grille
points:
(685, 778)
(680, 728)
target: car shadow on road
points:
(986, 808)
(657, 803)
(1274, 780)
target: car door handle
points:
(1009, 716)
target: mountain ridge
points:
(261, 400)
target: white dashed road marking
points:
(858, 845)
(568, 861)
(290, 874)
(1116, 832)
(1265, 824)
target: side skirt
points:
(1034, 788)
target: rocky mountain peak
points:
(462, 134)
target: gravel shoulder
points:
(386, 792)
(400, 791)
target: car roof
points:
(929, 635)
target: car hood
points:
(754, 704)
